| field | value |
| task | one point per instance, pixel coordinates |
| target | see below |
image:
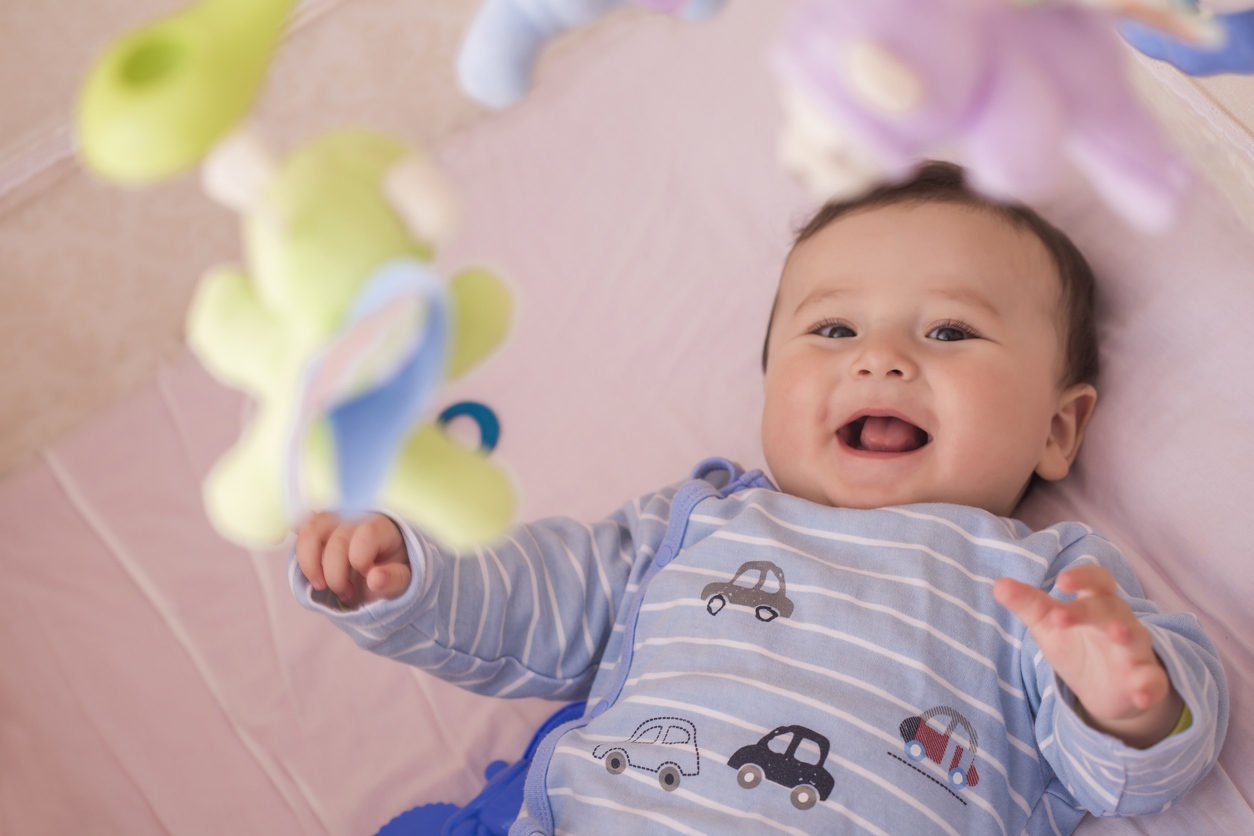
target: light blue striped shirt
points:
(792, 668)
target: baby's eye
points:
(834, 330)
(951, 332)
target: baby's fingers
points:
(1107, 612)
(1089, 579)
(1029, 604)
(375, 541)
(335, 566)
(1149, 684)
(310, 541)
(389, 580)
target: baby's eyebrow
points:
(819, 295)
(966, 296)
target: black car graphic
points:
(665, 745)
(809, 782)
(766, 605)
(923, 741)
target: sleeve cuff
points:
(1185, 721)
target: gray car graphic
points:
(767, 606)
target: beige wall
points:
(94, 279)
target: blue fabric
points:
(1235, 55)
(370, 429)
(791, 666)
(494, 809)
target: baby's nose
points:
(884, 359)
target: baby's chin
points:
(868, 498)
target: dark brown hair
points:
(944, 183)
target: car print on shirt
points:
(923, 741)
(809, 782)
(663, 745)
(767, 606)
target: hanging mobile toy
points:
(872, 86)
(342, 331)
(1226, 46)
(504, 41)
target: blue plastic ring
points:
(489, 427)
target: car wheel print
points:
(616, 762)
(668, 777)
(957, 778)
(749, 776)
(766, 613)
(804, 796)
(715, 604)
(915, 751)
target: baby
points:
(868, 644)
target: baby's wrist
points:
(1155, 723)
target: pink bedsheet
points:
(159, 680)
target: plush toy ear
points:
(237, 170)
(421, 195)
(481, 308)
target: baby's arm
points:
(529, 616)
(1098, 646)
(1107, 675)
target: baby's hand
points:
(1099, 648)
(348, 557)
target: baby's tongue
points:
(890, 435)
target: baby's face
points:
(915, 357)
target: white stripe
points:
(897, 614)
(1165, 641)
(452, 616)
(991, 711)
(979, 541)
(688, 795)
(680, 792)
(871, 541)
(824, 707)
(526, 677)
(759, 730)
(557, 617)
(423, 645)
(487, 597)
(1049, 811)
(1049, 581)
(666, 821)
(1022, 746)
(583, 584)
(535, 600)
(805, 666)
(500, 567)
(601, 576)
(1088, 778)
(916, 582)
(1179, 778)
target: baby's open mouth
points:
(882, 434)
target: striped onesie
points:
(756, 663)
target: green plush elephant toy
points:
(341, 332)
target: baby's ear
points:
(1066, 431)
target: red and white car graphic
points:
(923, 741)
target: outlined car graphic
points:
(664, 745)
(923, 741)
(809, 782)
(767, 606)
